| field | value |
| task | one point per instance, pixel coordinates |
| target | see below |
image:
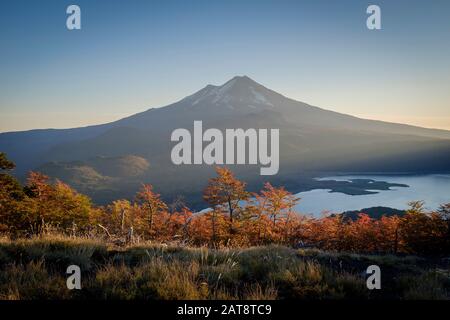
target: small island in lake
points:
(355, 187)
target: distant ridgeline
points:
(373, 212)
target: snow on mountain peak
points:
(240, 91)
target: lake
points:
(434, 189)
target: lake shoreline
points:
(394, 191)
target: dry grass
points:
(35, 269)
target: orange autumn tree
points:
(11, 198)
(256, 228)
(179, 223)
(120, 217)
(277, 204)
(388, 234)
(153, 208)
(226, 194)
(39, 203)
(175, 225)
(327, 232)
(423, 232)
(56, 206)
(201, 232)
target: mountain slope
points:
(311, 140)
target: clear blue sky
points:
(133, 55)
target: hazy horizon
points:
(129, 57)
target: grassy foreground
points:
(36, 269)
